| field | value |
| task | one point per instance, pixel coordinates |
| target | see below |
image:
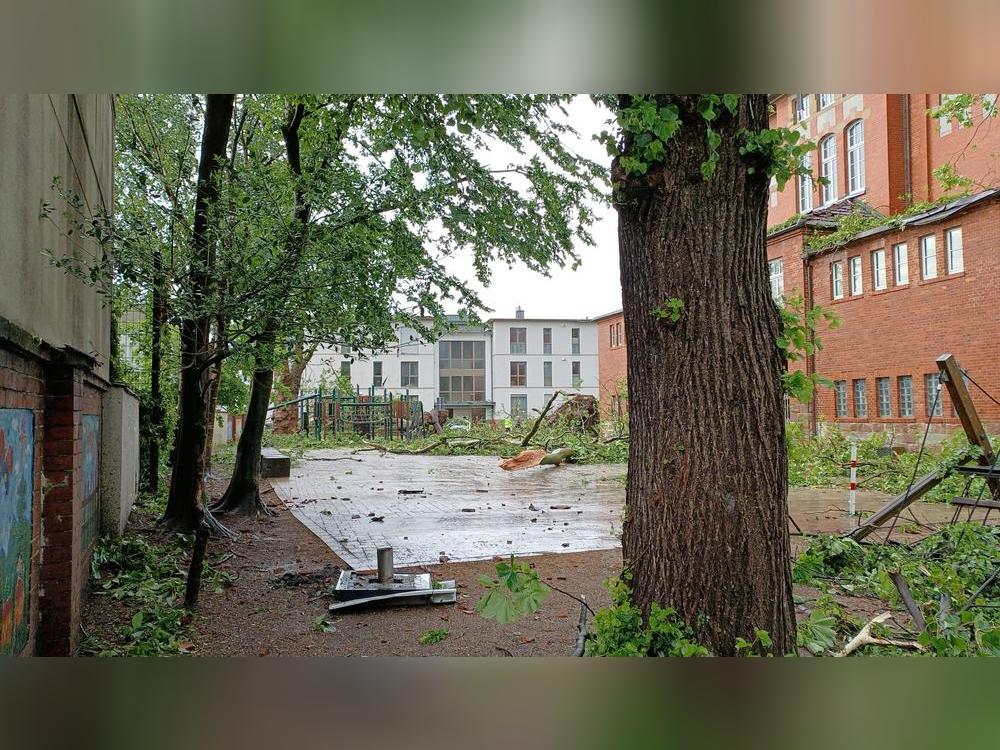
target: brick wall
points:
(974, 151)
(903, 329)
(22, 387)
(611, 358)
(60, 395)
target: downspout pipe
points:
(907, 154)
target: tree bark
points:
(156, 415)
(706, 530)
(242, 497)
(184, 504)
(213, 401)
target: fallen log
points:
(535, 457)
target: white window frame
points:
(878, 270)
(803, 107)
(828, 169)
(855, 280)
(826, 100)
(900, 264)
(855, 138)
(931, 384)
(860, 388)
(837, 279)
(928, 257)
(840, 398)
(883, 397)
(776, 274)
(954, 257)
(905, 395)
(806, 185)
(944, 123)
(413, 373)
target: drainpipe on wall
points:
(808, 296)
(907, 156)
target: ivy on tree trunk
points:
(706, 524)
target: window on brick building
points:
(546, 341)
(840, 393)
(828, 169)
(900, 265)
(904, 384)
(953, 250)
(882, 392)
(547, 374)
(518, 340)
(878, 269)
(860, 398)
(856, 157)
(621, 334)
(519, 374)
(574, 340)
(928, 257)
(577, 379)
(944, 122)
(803, 107)
(826, 100)
(932, 398)
(989, 105)
(776, 268)
(837, 277)
(806, 185)
(409, 374)
(854, 270)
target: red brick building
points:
(906, 291)
(611, 363)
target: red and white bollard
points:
(852, 503)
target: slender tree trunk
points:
(155, 368)
(243, 494)
(184, 505)
(213, 401)
(706, 529)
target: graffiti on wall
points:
(17, 454)
(91, 462)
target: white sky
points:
(594, 288)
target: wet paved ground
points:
(433, 509)
(461, 507)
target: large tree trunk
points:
(706, 529)
(213, 403)
(243, 494)
(155, 430)
(184, 505)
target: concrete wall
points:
(42, 137)
(119, 458)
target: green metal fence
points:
(372, 414)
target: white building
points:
(510, 367)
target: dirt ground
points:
(281, 570)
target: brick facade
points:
(612, 364)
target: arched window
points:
(806, 185)
(856, 157)
(828, 168)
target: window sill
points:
(939, 279)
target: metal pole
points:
(385, 569)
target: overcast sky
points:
(594, 287)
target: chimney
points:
(519, 313)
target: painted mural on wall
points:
(91, 462)
(17, 455)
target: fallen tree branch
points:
(443, 441)
(864, 638)
(541, 416)
(908, 601)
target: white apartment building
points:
(510, 367)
